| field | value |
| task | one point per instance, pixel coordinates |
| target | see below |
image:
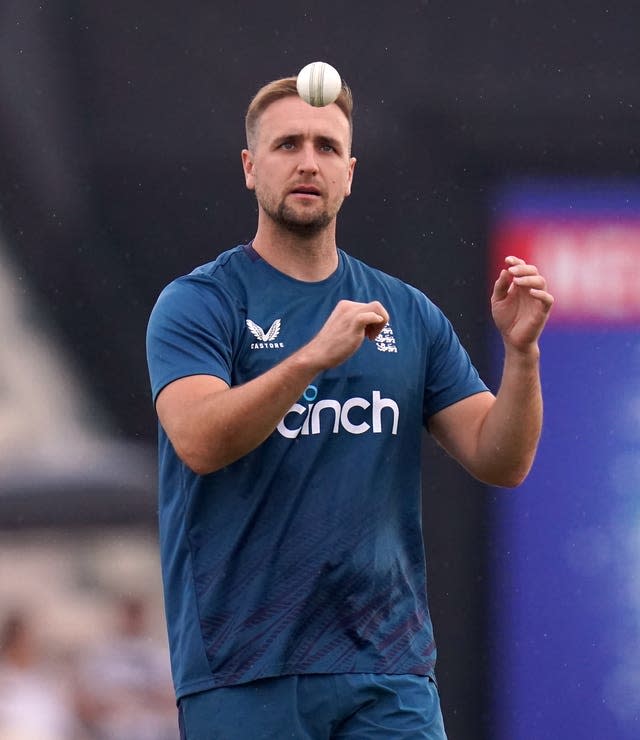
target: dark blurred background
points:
(120, 131)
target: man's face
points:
(300, 165)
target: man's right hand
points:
(344, 331)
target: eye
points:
(287, 145)
(328, 145)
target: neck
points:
(310, 259)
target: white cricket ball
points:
(318, 84)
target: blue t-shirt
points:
(306, 555)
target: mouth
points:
(306, 190)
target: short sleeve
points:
(450, 376)
(190, 332)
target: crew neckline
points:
(256, 258)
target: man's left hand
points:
(520, 303)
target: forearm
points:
(508, 437)
(218, 428)
(212, 425)
(495, 438)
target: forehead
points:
(291, 115)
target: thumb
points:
(373, 329)
(502, 284)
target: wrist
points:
(529, 353)
(307, 361)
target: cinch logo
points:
(265, 339)
(349, 416)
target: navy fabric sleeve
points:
(190, 332)
(450, 375)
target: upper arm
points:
(190, 334)
(457, 427)
(178, 404)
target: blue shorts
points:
(351, 706)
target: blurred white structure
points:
(57, 459)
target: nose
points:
(308, 161)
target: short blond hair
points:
(284, 88)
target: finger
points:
(374, 324)
(379, 309)
(545, 298)
(502, 284)
(372, 317)
(522, 268)
(512, 260)
(372, 331)
(531, 281)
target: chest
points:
(392, 365)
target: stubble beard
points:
(302, 225)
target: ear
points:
(247, 166)
(352, 166)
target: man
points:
(292, 383)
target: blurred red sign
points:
(592, 267)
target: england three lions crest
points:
(385, 341)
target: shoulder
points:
(225, 266)
(367, 273)
(217, 281)
(393, 285)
